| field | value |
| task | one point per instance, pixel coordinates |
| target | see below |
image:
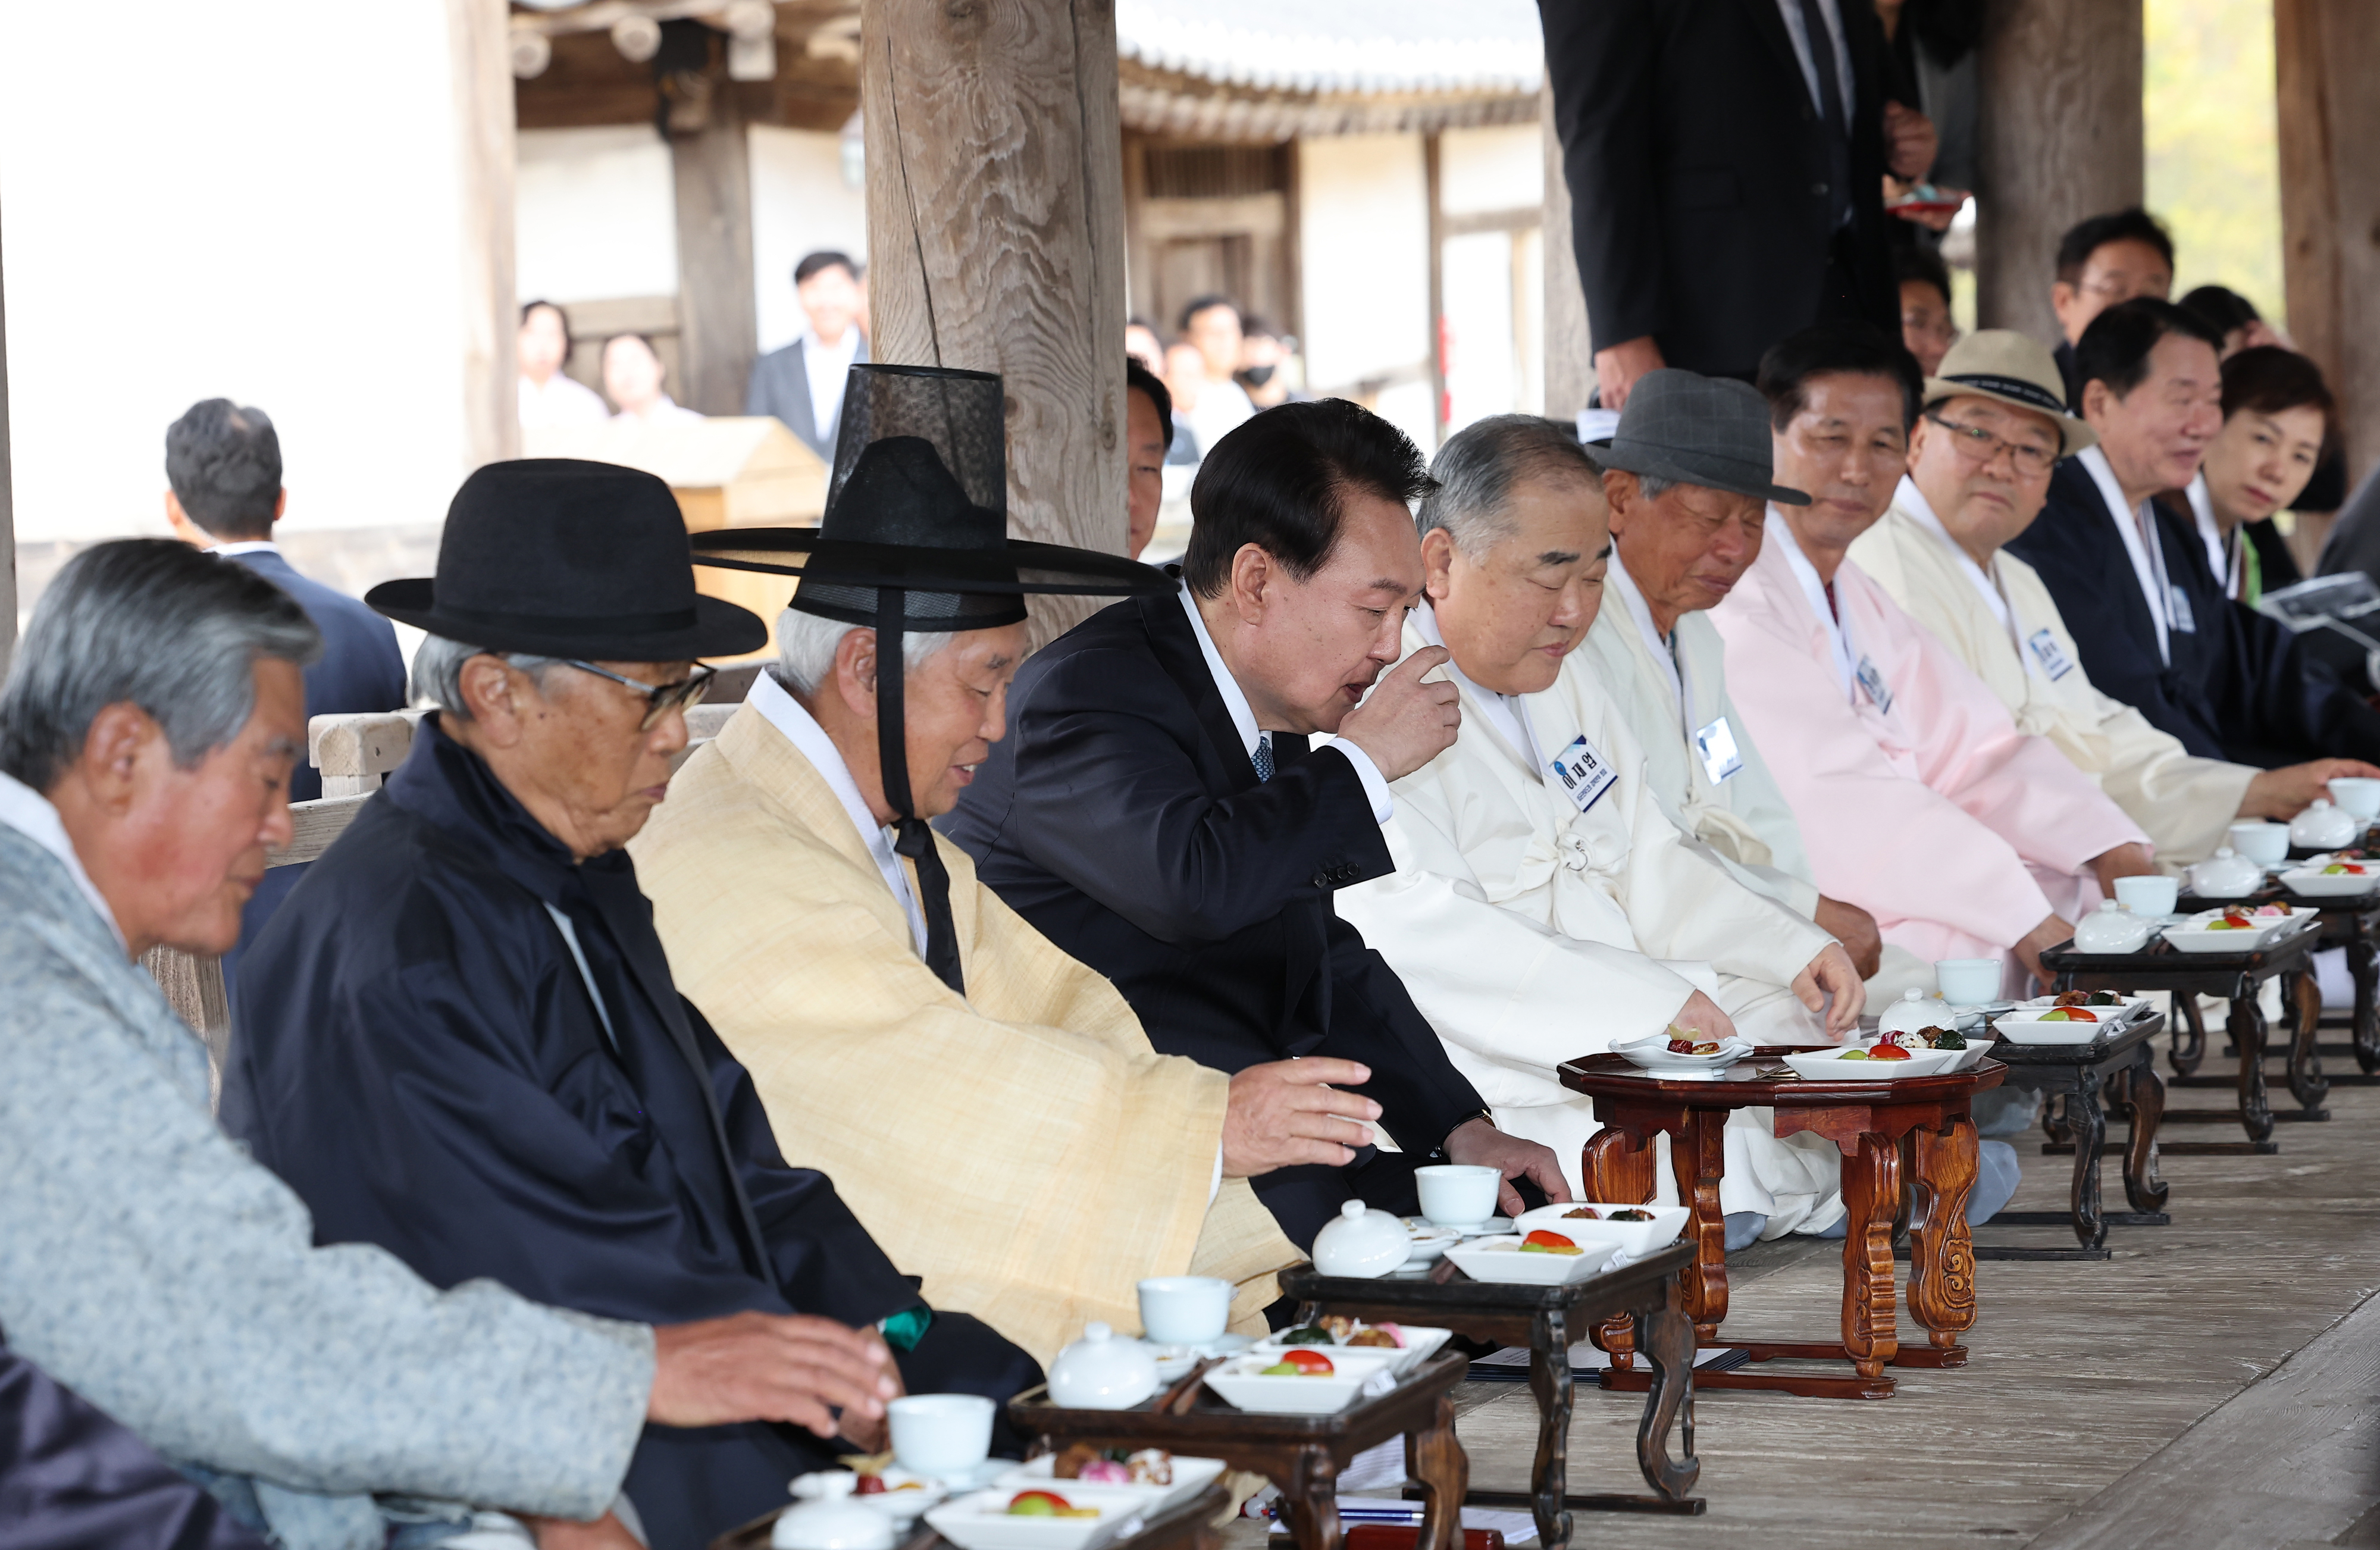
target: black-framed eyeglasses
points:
(1982, 448)
(659, 699)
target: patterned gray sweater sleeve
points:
(147, 1263)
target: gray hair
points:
(1479, 465)
(1653, 486)
(806, 645)
(438, 673)
(156, 623)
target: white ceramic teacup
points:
(2267, 844)
(2148, 896)
(941, 1435)
(1968, 982)
(2359, 794)
(1457, 1194)
(1184, 1310)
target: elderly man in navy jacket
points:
(224, 463)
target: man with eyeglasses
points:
(1920, 799)
(463, 1041)
(1980, 461)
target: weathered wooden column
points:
(2060, 140)
(995, 236)
(479, 41)
(1569, 348)
(2327, 62)
(717, 319)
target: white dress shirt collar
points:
(1508, 713)
(2137, 526)
(828, 370)
(246, 546)
(1839, 635)
(1244, 715)
(2223, 556)
(1664, 649)
(1911, 500)
(1832, 13)
(29, 813)
(785, 713)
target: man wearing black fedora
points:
(463, 1041)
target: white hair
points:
(438, 673)
(805, 646)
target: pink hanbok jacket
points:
(1919, 799)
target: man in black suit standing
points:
(223, 465)
(1155, 813)
(802, 385)
(1726, 163)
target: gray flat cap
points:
(1696, 430)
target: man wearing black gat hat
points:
(463, 1041)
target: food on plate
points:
(1379, 1335)
(1887, 1052)
(2088, 998)
(1340, 1330)
(1631, 1214)
(2342, 869)
(1949, 1038)
(1046, 1503)
(870, 1485)
(1114, 1466)
(1584, 1213)
(1313, 1332)
(1689, 1047)
(2069, 1014)
(1300, 1362)
(1544, 1242)
(2231, 923)
(1852, 1054)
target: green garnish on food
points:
(1951, 1039)
(1311, 1332)
(1852, 1054)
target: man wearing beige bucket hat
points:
(1980, 458)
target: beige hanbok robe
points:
(2184, 803)
(1023, 1148)
(1530, 933)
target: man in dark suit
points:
(1726, 177)
(1155, 813)
(2131, 579)
(802, 385)
(223, 463)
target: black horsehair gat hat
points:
(915, 538)
(556, 557)
(1708, 431)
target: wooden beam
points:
(7, 506)
(995, 237)
(479, 41)
(2060, 138)
(1434, 191)
(718, 331)
(1569, 349)
(2327, 57)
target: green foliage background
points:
(2213, 168)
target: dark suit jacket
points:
(360, 671)
(1696, 160)
(1122, 817)
(780, 385)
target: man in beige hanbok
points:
(1979, 467)
(989, 1106)
(1544, 905)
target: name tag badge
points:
(2181, 618)
(1716, 743)
(1872, 683)
(1582, 773)
(2044, 651)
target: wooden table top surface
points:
(1462, 1294)
(1738, 1086)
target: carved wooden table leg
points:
(1617, 1167)
(2143, 1094)
(1941, 1251)
(2303, 994)
(1670, 1347)
(2248, 1034)
(1550, 1381)
(1871, 1196)
(1312, 1495)
(2189, 1035)
(2089, 1121)
(1700, 1161)
(1436, 1463)
(2053, 1119)
(2364, 966)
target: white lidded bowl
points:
(1102, 1371)
(2226, 874)
(2323, 827)
(2113, 928)
(828, 1518)
(1362, 1243)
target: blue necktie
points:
(1262, 758)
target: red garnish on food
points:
(1887, 1052)
(1545, 1240)
(1681, 1047)
(870, 1485)
(1312, 1362)
(2081, 1014)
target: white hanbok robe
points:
(1530, 933)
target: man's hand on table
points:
(1404, 723)
(2049, 933)
(1856, 929)
(768, 1367)
(2284, 794)
(2124, 861)
(1286, 1112)
(1477, 1144)
(1832, 974)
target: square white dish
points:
(1652, 1053)
(2193, 936)
(1829, 1065)
(2310, 881)
(1190, 1476)
(1632, 1238)
(1482, 1260)
(1422, 1342)
(1241, 1380)
(981, 1521)
(2026, 1028)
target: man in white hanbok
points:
(1543, 905)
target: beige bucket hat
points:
(2014, 369)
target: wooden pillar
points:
(479, 41)
(1569, 349)
(718, 329)
(2326, 59)
(2060, 138)
(1433, 189)
(995, 236)
(8, 502)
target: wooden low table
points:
(2236, 978)
(1867, 1122)
(1301, 1454)
(1187, 1525)
(1548, 1320)
(2122, 1066)
(2352, 924)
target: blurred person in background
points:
(547, 397)
(632, 379)
(2106, 260)
(1925, 326)
(1141, 343)
(802, 385)
(223, 463)
(2243, 328)
(1264, 361)
(1218, 404)
(1148, 431)
(2278, 416)
(2234, 317)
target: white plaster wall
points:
(241, 219)
(1363, 256)
(595, 214)
(1498, 168)
(801, 204)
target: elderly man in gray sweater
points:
(148, 727)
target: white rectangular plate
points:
(1421, 1344)
(1512, 1267)
(981, 1521)
(1242, 1381)
(1190, 1476)
(1829, 1065)
(1604, 1235)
